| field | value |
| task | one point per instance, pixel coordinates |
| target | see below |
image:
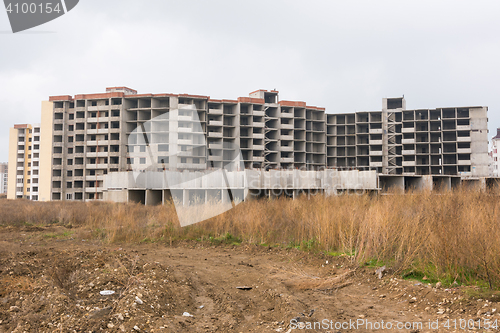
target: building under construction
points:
(90, 136)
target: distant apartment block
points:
(396, 141)
(25, 162)
(88, 136)
(4, 170)
(495, 155)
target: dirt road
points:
(51, 281)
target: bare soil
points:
(51, 279)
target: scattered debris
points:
(244, 288)
(380, 272)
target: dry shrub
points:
(317, 283)
(445, 235)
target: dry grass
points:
(317, 283)
(452, 236)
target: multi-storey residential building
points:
(443, 141)
(86, 137)
(4, 169)
(96, 134)
(495, 155)
(24, 160)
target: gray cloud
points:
(344, 56)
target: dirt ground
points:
(51, 281)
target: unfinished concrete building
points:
(90, 136)
(397, 141)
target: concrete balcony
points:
(286, 137)
(98, 154)
(98, 131)
(408, 152)
(96, 166)
(185, 118)
(258, 158)
(215, 123)
(215, 134)
(258, 135)
(259, 124)
(188, 153)
(215, 146)
(215, 158)
(407, 141)
(214, 111)
(409, 163)
(376, 153)
(185, 142)
(464, 139)
(258, 147)
(376, 131)
(259, 113)
(464, 128)
(407, 130)
(97, 119)
(185, 130)
(287, 115)
(287, 148)
(376, 164)
(464, 151)
(287, 160)
(94, 189)
(287, 126)
(376, 142)
(464, 162)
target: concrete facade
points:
(495, 155)
(24, 161)
(4, 176)
(88, 137)
(192, 187)
(397, 141)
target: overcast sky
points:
(342, 55)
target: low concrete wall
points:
(189, 188)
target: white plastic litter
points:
(187, 314)
(107, 292)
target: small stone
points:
(136, 328)
(438, 285)
(120, 317)
(380, 272)
(122, 328)
(138, 300)
(14, 309)
(110, 325)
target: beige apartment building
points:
(86, 137)
(26, 161)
